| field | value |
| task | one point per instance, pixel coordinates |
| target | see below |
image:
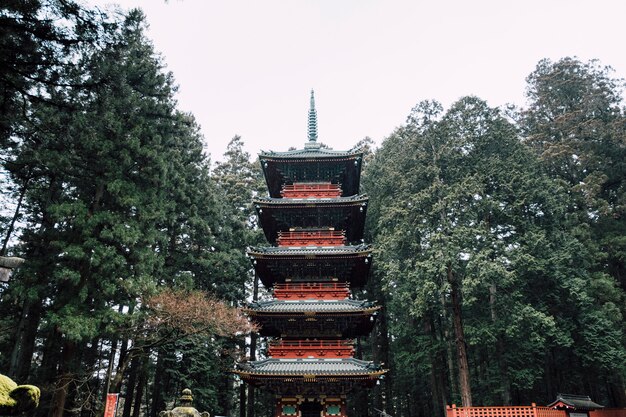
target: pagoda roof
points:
(307, 251)
(316, 306)
(311, 153)
(317, 367)
(311, 164)
(349, 263)
(310, 376)
(578, 402)
(336, 201)
(313, 318)
(340, 213)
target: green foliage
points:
(458, 199)
(524, 221)
(119, 202)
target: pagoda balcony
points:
(311, 190)
(312, 290)
(277, 265)
(312, 165)
(294, 349)
(328, 376)
(322, 319)
(303, 237)
(339, 213)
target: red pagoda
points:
(314, 220)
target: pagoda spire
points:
(312, 122)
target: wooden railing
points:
(312, 348)
(313, 290)
(505, 411)
(311, 238)
(311, 190)
(525, 411)
(312, 343)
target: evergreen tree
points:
(119, 203)
(478, 252)
(576, 124)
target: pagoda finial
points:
(312, 119)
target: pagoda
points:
(313, 219)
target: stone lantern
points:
(184, 409)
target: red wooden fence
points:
(525, 411)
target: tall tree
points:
(120, 202)
(575, 122)
(468, 228)
(239, 180)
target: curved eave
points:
(353, 200)
(307, 368)
(310, 154)
(310, 252)
(346, 264)
(368, 375)
(301, 324)
(342, 213)
(252, 312)
(280, 168)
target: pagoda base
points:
(318, 406)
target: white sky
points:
(246, 67)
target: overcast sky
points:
(246, 67)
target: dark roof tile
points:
(358, 198)
(579, 402)
(310, 250)
(303, 367)
(310, 153)
(319, 306)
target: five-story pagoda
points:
(314, 219)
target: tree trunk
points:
(16, 214)
(449, 343)
(459, 337)
(130, 386)
(66, 376)
(116, 383)
(124, 361)
(109, 374)
(161, 382)
(143, 373)
(24, 347)
(436, 373)
(90, 362)
(502, 368)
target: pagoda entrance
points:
(311, 409)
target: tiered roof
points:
(321, 318)
(317, 367)
(311, 164)
(289, 264)
(309, 376)
(341, 213)
(314, 218)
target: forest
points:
(499, 235)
